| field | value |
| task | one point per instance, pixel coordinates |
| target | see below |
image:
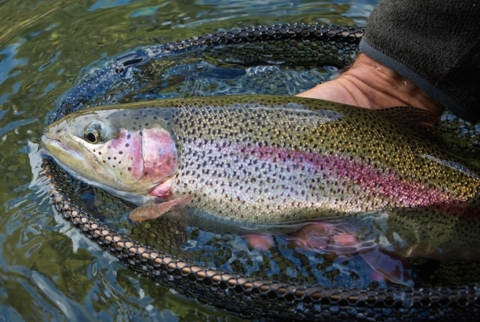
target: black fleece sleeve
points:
(435, 44)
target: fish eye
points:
(94, 132)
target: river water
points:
(48, 270)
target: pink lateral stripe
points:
(384, 183)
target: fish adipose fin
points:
(153, 211)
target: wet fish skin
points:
(270, 159)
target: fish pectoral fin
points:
(153, 211)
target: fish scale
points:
(241, 168)
(237, 184)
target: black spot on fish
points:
(129, 168)
(120, 152)
(129, 136)
(127, 145)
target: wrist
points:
(372, 85)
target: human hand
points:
(372, 85)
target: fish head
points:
(119, 150)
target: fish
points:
(278, 159)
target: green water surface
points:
(48, 270)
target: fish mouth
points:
(49, 141)
(55, 147)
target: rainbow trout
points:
(271, 159)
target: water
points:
(48, 270)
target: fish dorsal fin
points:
(409, 116)
(417, 120)
(423, 124)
